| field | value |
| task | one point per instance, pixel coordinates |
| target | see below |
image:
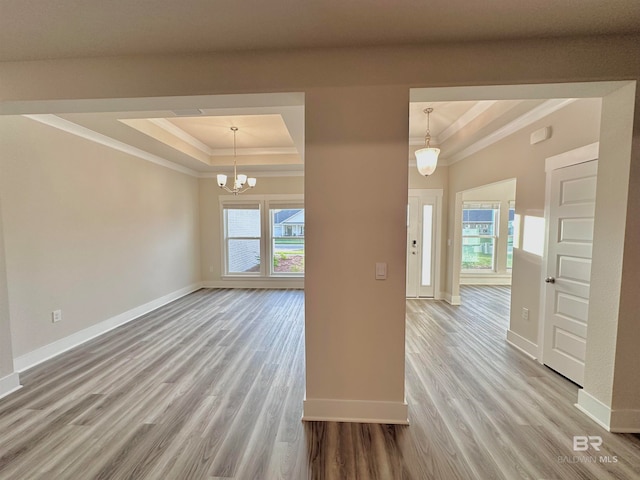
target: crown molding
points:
(465, 119)
(259, 174)
(519, 123)
(83, 132)
(169, 127)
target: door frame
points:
(436, 193)
(578, 155)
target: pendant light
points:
(239, 181)
(427, 157)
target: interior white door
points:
(421, 231)
(568, 268)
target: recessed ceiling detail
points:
(262, 139)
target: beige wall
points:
(88, 230)
(576, 125)
(613, 333)
(356, 182)
(210, 224)
(359, 132)
(626, 384)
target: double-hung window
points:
(479, 236)
(263, 236)
(242, 226)
(287, 239)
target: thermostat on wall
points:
(540, 135)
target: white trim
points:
(83, 132)
(625, 421)
(434, 195)
(176, 131)
(266, 283)
(525, 346)
(355, 411)
(519, 123)
(451, 299)
(259, 173)
(485, 279)
(9, 384)
(53, 349)
(594, 408)
(465, 119)
(572, 157)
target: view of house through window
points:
(287, 227)
(263, 237)
(479, 236)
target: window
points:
(263, 236)
(242, 235)
(510, 237)
(287, 240)
(479, 236)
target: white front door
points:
(568, 268)
(421, 252)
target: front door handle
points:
(550, 280)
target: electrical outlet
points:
(56, 316)
(525, 313)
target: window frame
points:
(482, 205)
(275, 204)
(265, 204)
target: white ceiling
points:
(45, 29)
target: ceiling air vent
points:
(188, 112)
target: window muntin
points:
(510, 235)
(479, 236)
(242, 238)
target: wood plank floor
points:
(211, 386)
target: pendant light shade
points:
(427, 157)
(427, 160)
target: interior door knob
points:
(550, 280)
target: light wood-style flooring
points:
(211, 386)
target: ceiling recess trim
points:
(83, 132)
(181, 134)
(519, 123)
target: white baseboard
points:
(525, 346)
(451, 299)
(51, 350)
(9, 384)
(488, 279)
(355, 411)
(273, 283)
(616, 420)
(594, 409)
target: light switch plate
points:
(381, 271)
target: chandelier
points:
(427, 157)
(239, 181)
